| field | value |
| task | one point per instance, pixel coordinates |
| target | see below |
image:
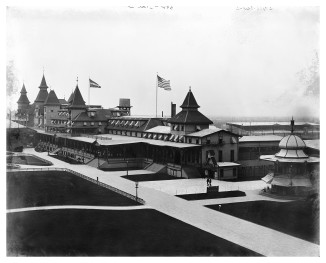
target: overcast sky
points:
(238, 62)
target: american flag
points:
(93, 84)
(162, 83)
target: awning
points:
(181, 139)
(166, 137)
(268, 178)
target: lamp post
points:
(83, 155)
(136, 185)
(127, 167)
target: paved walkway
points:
(257, 238)
(54, 207)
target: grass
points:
(212, 195)
(41, 188)
(150, 177)
(28, 160)
(110, 233)
(297, 218)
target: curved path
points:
(53, 207)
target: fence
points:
(116, 190)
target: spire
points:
(190, 101)
(23, 97)
(23, 91)
(43, 93)
(43, 82)
(292, 125)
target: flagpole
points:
(156, 93)
(89, 89)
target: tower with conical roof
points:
(23, 101)
(39, 103)
(51, 108)
(189, 119)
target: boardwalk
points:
(257, 238)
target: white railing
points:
(116, 190)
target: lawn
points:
(43, 188)
(27, 160)
(150, 177)
(297, 218)
(146, 232)
(212, 195)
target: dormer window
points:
(85, 123)
(181, 128)
(176, 127)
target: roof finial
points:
(292, 125)
(189, 88)
(77, 80)
(43, 70)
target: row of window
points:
(211, 153)
(92, 123)
(122, 123)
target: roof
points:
(190, 117)
(133, 124)
(313, 144)
(101, 115)
(189, 101)
(42, 95)
(292, 142)
(273, 158)
(160, 129)
(63, 101)
(225, 164)
(77, 100)
(120, 140)
(260, 138)
(269, 123)
(23, 98)
(70, 97)
(204, 132)
(52, 99)
(23, 89)
(43, 82)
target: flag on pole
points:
(93, 84)
(162, 83)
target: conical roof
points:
(77, 100)
(189, 113)
(52, 99)
(190, 101)
(43, 82)
(23, 91)
(71, 97)
(43, 93)
(23, 97)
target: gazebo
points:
(295, 173)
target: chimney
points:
(173, 109)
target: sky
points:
(238, 61)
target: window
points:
(85, 123)
(189, 140)
(208, 140)
(100, 123)
(232, 155)
(197, 141)
(181, 128)
(92, 123)
(234, 172)
(220, 156)
(221, 173)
